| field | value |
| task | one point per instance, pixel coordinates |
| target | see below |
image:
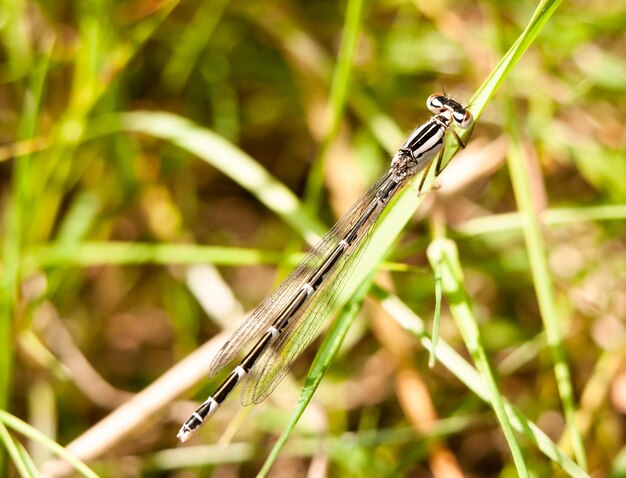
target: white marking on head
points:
(463, 118)
(436, 103)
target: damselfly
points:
(288, 320)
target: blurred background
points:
(124, 251)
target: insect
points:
(290, 317)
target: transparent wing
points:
(304, 326)
(265, 314)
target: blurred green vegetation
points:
(151, 159)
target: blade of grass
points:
(28, 460)
(461, 369)
(443, 255)
(323, 360)
(87, 254)
(100, 55)
(201, 455)
(479, 100)
(54, 165)
(337, 100)
(289, 34)
(619, 465)
(16, 37)
(15, 221)
(542, 281)
(226, 157)
(78, 221)
(512, 221)
(542, 14)
(432, 359)
(12, 449)
(35, 435)
(210, 455)
(192, 42)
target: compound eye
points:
(463, 118)
(436, 103)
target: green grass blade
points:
(87, 254)
(16, 222)
(543, 282)
(287, 33)
(345, 60)
(14, 453)
(27, 460)
(512, 221)
(101, 54)
(229, 159)
(337, 101)
(192, 42)
(543, 13)
(16, 37)
(619, 465)
(196, 456)
(443, 255)
(323, 360)
(18, 425)
(461, 369)
(432, 359)
(485, 92)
